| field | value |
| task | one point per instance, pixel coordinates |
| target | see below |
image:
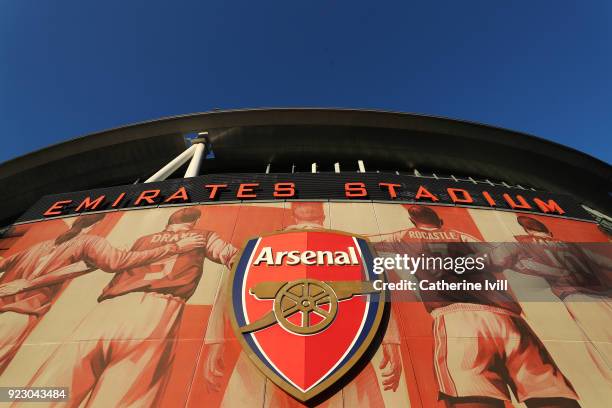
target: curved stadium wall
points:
(135, 272)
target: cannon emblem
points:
(316, 302)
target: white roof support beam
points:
(196, 161)
(361, 166)
(597, 214)
(173, 166)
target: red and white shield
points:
(304, 307)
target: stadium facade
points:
(226, 259)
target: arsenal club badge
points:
(304, 307)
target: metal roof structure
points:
(289, 139)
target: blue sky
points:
(73, 67)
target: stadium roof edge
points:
(290, 116)
(135, 149)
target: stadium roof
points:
(247, 140)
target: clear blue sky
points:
(68, 68)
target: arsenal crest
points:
(304, 308)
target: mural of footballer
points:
(33, 278)
(482, 345)
(125, 360)
(579, 277)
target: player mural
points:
(34, 277)
(578, 276)
(147, 298)
(482, 346)
(156, 307)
